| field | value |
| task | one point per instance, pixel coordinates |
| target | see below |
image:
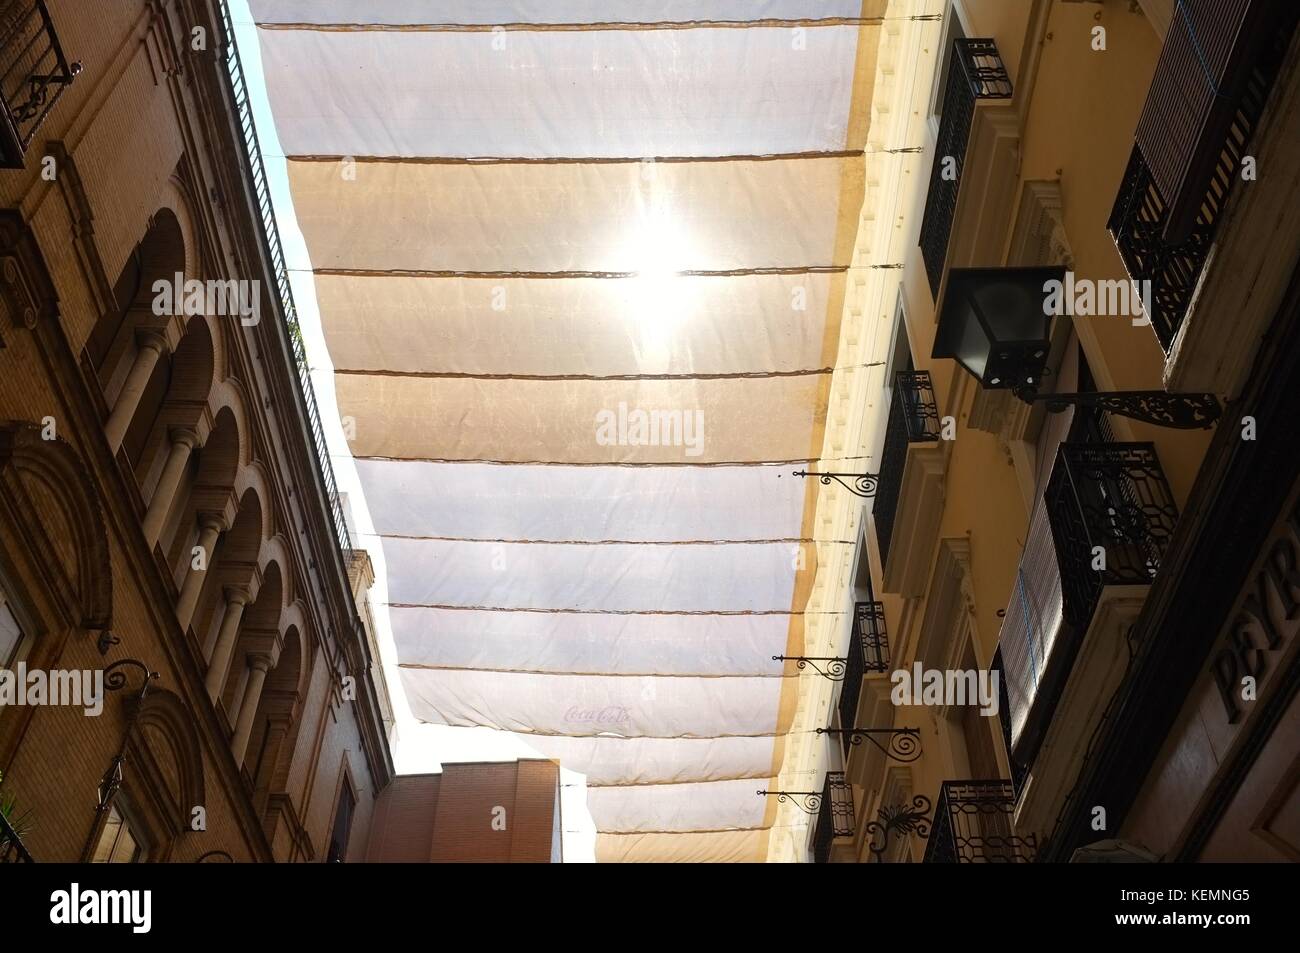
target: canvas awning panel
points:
(571, 218)
(578, 327)
(557, 504)
(595, 94)
(518, 234)
(409, 13)
(628, 644)
(613, 761)
(686, 422)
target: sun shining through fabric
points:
(581, 280)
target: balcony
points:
(972, 825)
(913, 418)
(33, 75)
(1104, 521)
(868, 652)
(1212, 82)
(12, 850)
(975, 73)
(834, 816)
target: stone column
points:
(210, 528)
(151, 344)
(258, 666)
(219, 664)
(160, 504)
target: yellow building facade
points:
(1069, 624)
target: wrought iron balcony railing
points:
(12, 850)
(913, 418)
(975, 72)
(834, 815)
(1212, 82)
(1105, 519)
(868, 652)
(972, 825)
(1109, 499)
(33, 75)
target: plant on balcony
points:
(18, 824)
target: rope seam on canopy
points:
(562, 734)
(758, 776)
(578, 160)
(719, 612)
(692, 830)
(466, 375)
(767, 23)
(614, 542)
(593, 463)
(688, 273)
(423, 667)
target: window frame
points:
(128, 823)
(955, 26)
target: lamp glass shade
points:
(994, 322)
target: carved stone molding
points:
(73, 192)
(1038, 236)
(45, 484)
(950, 604)
(916, 521)
(27, 295)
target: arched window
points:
(112, 345)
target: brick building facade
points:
(165, 513)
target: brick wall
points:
(145, 129)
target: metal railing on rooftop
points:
(271, 238)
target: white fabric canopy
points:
(690, 326)
(584, 705)
(648, 93)
(580, 643)
(610, 761)
(687, 577)
(489, 12)
(500, 273)
(572, 218)
(585, 504)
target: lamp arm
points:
(1180, 411)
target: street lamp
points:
(997, 323)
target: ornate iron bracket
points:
(115, 678)
(835, 668)
(901, 744)
(1180, 411)
(899, 820)
(863, 485)
(810, 802)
